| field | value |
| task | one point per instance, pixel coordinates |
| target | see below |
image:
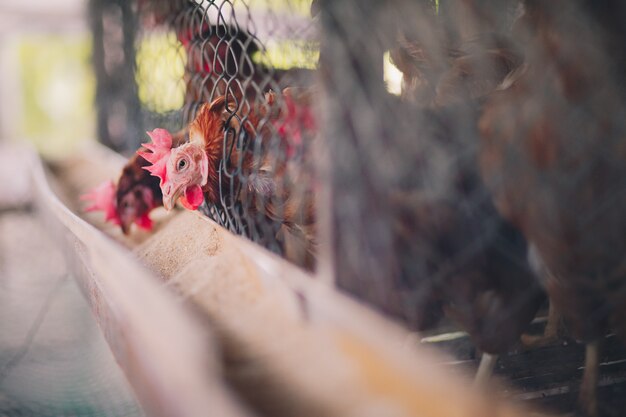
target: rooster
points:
(554, 155)
(271, 158)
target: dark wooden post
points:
(354, 217)
(114, 28)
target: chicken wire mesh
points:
(409, 218)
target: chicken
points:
(221, 60)
(456, 254)
(464, 56)
(221, 54)
(554, 155)
(218, 61)
(471, 71)
(272, 171)
(131, 203)
(136, 194)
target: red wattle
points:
(193, 197)
(144, 222)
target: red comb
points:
(160, 150)
(102, 198)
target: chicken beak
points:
(125, 227)
(127, 217)
(170, 196)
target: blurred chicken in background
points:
(133, 197)
(554, 154)
(465, 54)
(221, 58)
(453, 252)
(136, 195)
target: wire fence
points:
(215, 49)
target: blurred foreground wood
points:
(291, 344)
(167, 357)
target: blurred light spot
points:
(393, 76)
(288, 54)
(58, 90)
(444, 337)
(161, 63)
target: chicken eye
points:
(182, 164)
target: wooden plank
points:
(166, 355)
(294, 346)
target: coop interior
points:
(313, 208)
